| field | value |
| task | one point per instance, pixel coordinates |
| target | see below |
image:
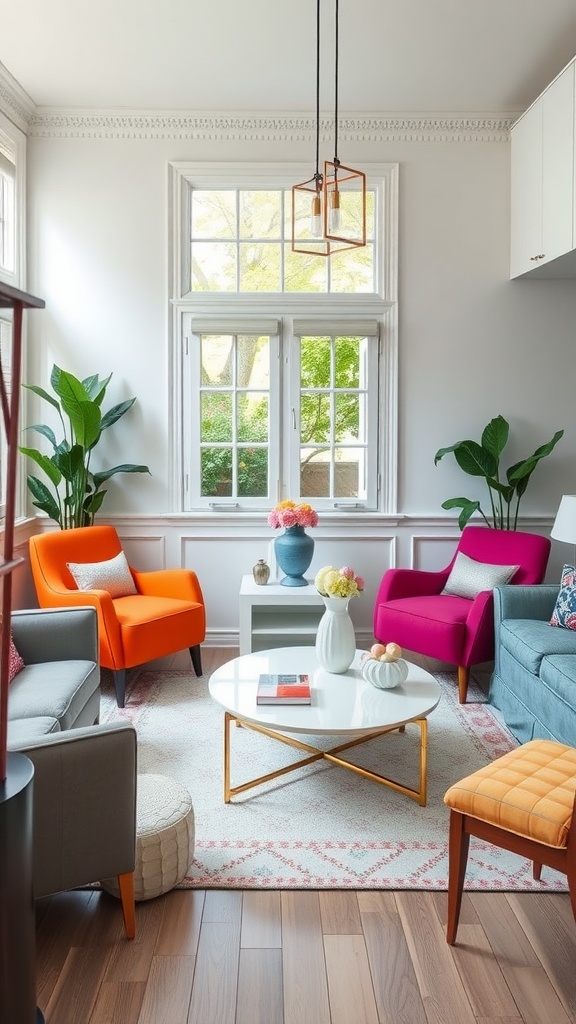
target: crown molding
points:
(15, 103)
(45, 123)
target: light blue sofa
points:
(534, 680)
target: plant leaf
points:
(46, 432)
(127, 467)
(42, 394)
(525, 468)
(446, 451)
(43, 499)
(495, 436)
(116, 412)
(475, 460)
(47, 465)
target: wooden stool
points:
(523, 802)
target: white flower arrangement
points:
(331, 582)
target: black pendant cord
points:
(318, 178)
(336, 160)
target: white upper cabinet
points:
(543, 167)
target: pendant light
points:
(337, 198)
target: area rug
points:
(321, 827)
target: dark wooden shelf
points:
(17, 301)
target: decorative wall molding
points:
(14, 102)
(207, 127)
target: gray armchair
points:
(84, 819)
(84, 789)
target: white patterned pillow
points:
(468, 578)
(112, 575)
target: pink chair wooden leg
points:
(463, 680)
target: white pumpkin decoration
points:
(384, 674)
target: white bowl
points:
(385, 675)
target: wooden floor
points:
(228, 957)
(225, 957)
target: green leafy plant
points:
(76, 493)
(484, 460)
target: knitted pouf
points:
(164, 837)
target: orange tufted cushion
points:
(529, 791)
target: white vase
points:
(335, 639)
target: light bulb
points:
(316, 218)
(334, 216)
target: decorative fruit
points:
(377, 650)
(394, 650)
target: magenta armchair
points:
(410, 609)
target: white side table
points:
(277, 616)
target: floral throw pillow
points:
(15, 663)
(564, 613)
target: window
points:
(7, 211)
(284, 364)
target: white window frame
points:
(185, 305)
(14, 141)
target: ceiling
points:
(396, 56)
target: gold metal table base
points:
(328, 755)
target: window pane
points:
(315, 419)
(315, 363)
(252, 472)
(347, 362)
(260, 214)
(353, 270)
(252, 417)
(216, 409)
(213, 267)
(347, 418)
(253, 361)
(216, 470)
(260, 269)
(217, 352)
(348, 469)
(213, 214)
(314, 474)
(304, 273)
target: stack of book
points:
(283, 689)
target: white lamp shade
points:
(565, 523)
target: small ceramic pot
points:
(261, 572)
(385, 675)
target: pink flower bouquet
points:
(288, 514)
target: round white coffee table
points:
(342, 704)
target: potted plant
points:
(76, 492)
(483, 459)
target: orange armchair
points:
(165, 615)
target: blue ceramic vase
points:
(294, 550)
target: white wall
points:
(472, 344)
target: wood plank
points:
(216, 975)
(180, 925)
(340, 913)
(260, 987)
(481, 974)
(305, 983)
(75, 992)
(261, 920)
(396, 989)
(118, 1002)
(349, 982)
(553, 938)
(500, 1020)
(132, 958)
(167, 995)
(535, 996)
(222, 906)
(64, 923)
(441, 988)
(508, 941)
